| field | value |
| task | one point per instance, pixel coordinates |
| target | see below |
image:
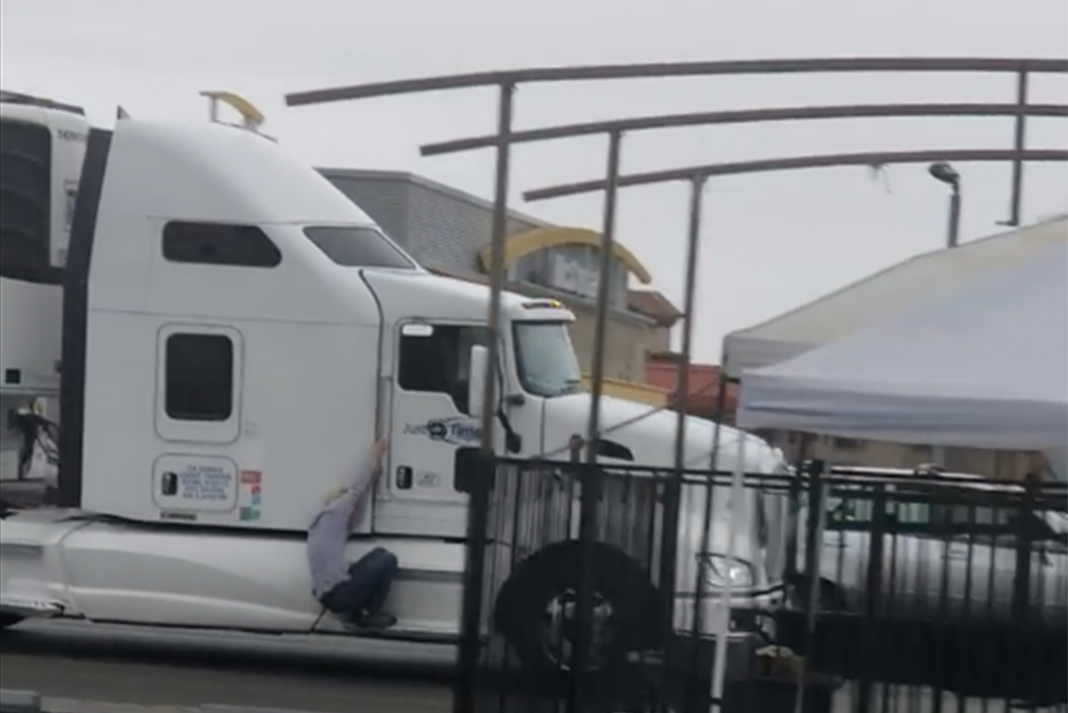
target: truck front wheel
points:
(536, 608)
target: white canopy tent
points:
(880, 295)
(982, 365)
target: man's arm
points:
(364, 477)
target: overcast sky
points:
(770, 242)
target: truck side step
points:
(406, 636)
(30, 608)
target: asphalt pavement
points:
(119, 669)
(175, 670)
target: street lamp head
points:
(945, 173)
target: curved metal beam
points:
(690, 173)
(675, 69)
(668, 121)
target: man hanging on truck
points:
(354, 593)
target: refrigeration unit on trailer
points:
(42, 146)
(228, 334)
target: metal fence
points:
(820, 588)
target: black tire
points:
(9, 620)
(627, 604)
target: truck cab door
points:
(429, 422)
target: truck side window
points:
(26, 203)
(357, 246)
(439, 362)
(219, 244)
(199, 377)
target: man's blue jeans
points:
(365, 591)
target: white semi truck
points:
(225, 333)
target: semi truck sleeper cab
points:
(221, 335)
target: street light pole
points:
(953, 234)
(944, 173)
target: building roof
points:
(880, 295)
(429, 184)
(448, 230)
(655, 305)
(417, 212)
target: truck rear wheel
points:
(536, 607)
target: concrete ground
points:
(124, 669)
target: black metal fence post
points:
(813, 541)
(1024, 510)
(592, 486)
(872, 595)
(478, 469)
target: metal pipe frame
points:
(604, 278)
(500, 223)
(673, 488)
(591, 483)
(745, 116)
(507, 80)
(659, 70)
(1019, 144)
(875, 158)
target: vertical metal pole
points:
(814, 531)
(500, 223)
(481, 476)
(873, 602)
(673, 491)
(479, 504)
(953, 231)
(722, 632)
(1020, 140)
(600, 328)
(953, 235)
(591, 478)
(706, 520)
(682, 382)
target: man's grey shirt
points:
(330, 530)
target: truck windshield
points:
(545, 359)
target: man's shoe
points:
(347, 622)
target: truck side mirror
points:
(476, 380)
